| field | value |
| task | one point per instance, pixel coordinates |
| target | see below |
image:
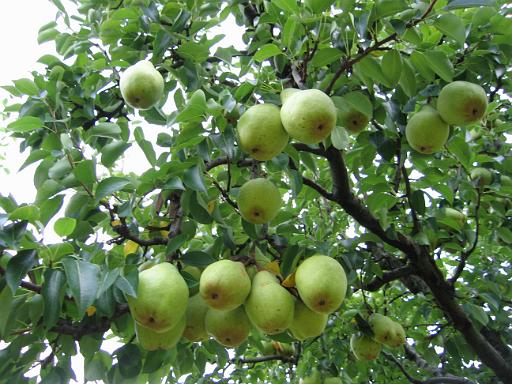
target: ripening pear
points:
(482, 176)
(261, 133)
(397, 336)
(162, 298)
(308, 116)
(382, 327)
(364, 347)
(229, 328)
(224, 285)
(322, 283)
(269, 306)
(426, 132)
(195, 315)
(307, 323)
(142, 86)
(259, 201)
(151, 340)
(461, 103)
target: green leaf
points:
(83, 281)
(194, 51)
(477, 313)
(420, 63)
(129, 360)
(145, 145)
(18, 266)
(408, 79)
(458, 146)
(505, 234)
(289, 6)
(370, 68)
(292, 28)
(5, 313)
(325, 56)
(197, 258)
(27, 87)
(440, 64)
(266, 51)
(126, 286)
(52, 291)
(196, 108)
(112, 151)
(26, 212)
(25, 124)
(85, 172)
(64, 226)
(174, 183)
(452, 26)
(108, 130)
(175, 243)
(418, 201)
(110, 185)
(339, 138)
(193, 179)
(459, 4)
(392, 66)
(108, 278)
(385, 8)
(319, 6)
(49, 208)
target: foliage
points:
(368, 200)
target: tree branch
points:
(261, 359)
(388, 277)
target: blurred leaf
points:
(267, 51)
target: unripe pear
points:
(195, 315)
(308, 116)
(454, 215)
(259, 201)
(364, 347)
(461, 103)
(307, 323)
(426, 132)
(269, 306)
(162, 298)
(506, 180)
(322, 283)
(151, 340)
(382, 327)
(142, 86)
(482, 176)
(224, 285)
(261, 133)
(286, 93)
(353, 120)
(229, 328)
(397, 336)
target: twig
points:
(260, 359)
(393, 359)
(387, 277)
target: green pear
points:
(286, 93)
(196, 313)
(269, 306)
(455, 216)
(314, 378)
(333, 380)
(364, 347)
(461, 103)
(506, 180)
(322, 283)
(426, 132)
(482, 176)
(261, 133)
(259, 201)
(353, 120)
(268, 347)
(142, 86)
(162, 298)
(224, 285)
(354, 111)
(151, 340)
(308, 116)
(195, 273)
(397, 336)
(307, 323)
(229, 328)
(382, 327)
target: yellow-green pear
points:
(142, 86)
(162, 298)
(353, 120)
(364, 347)
(269, 306)
(382, 327)
(506, 180)
(229, 328)
(426, 132)
(354, 111)
(322, 283)
(224, 285)
(308, 116)
(307, 323)
(259, 201)
(482, 176)
(196, 312)
(151, 340)
(314, 378)
(261, 133)
(462, 102)
(397, 336)
(455, 216)
(286, 93)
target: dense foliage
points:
(367, 200)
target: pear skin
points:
(142, 86)
(162, 298)
(382, 327)
(426, 132)
(397, 336)
(259, 201)
(261, 133)
(224, 285)
(229, 328)
(151, 340)
(322, 283)
(308, 116)
(307, 323)
(286, 93)
(364, 347)
(196, 313)
(269, 306)
(462, 103)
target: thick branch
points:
(388, 277)
(261, 359)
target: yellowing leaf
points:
(211, 206)
(130, 247)
(289, 282)
(164, 233)
(91, 310)
(115, 223)
(273, 266)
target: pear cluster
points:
(385, 331)
(459, 103)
